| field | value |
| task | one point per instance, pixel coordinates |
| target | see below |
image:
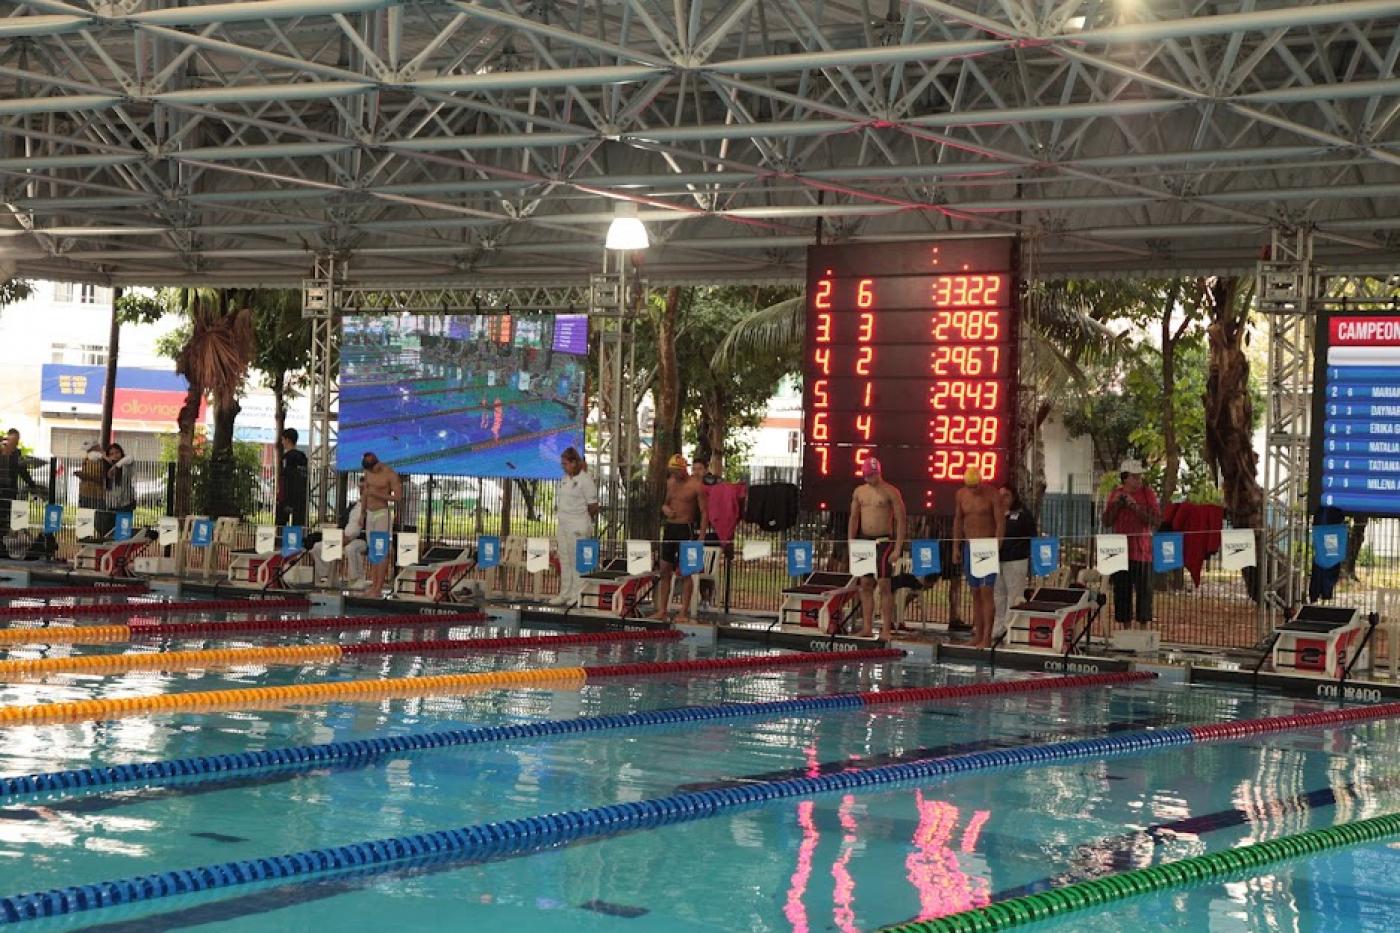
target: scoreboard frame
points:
(1317, 446)
(972, 371)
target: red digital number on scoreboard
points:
(965, 395)
(952, 465)
(914, 366)
(966, 326)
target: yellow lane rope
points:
(249, 697)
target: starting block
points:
(439, 577)
(249, 568)
(1048, 621)
(824, 601)
(111, 558)
(1320, 641)
(611, 589)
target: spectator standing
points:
(92, 489)
(577, 505)
(13, 471)
(291, 481)
(1014, 556)
(119, 489)
(1132, 510)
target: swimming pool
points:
(849, 861)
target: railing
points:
(1217, 613)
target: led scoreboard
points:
(910, 357)
(1356, 404)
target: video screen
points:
(462, 395)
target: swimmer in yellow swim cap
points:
(977, 514)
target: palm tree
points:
(215, 359)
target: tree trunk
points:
(279, 419)
(1229, 413)
(184, 457)
(1229, 409)
(1171, 449)
(221, 491)
(1355, 542)
(528, 488)
(719, 430)
(668, 385)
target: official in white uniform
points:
(353, 550)
(577, 503)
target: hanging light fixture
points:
(626, 232)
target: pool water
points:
(833, 862)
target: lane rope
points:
(153, 608)
(1171, 876)
(104, 634)
(362, 690)
(515, 837)
(299, 654)
(311, 757)
(504, 838)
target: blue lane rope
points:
(309, 757)
(515, 837)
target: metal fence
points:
(1216, 612)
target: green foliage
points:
(1103, 412)
(144, 306)
(220, 483)
(1144, 386)
(725, 384)
(14, 290)
(283, 351)
(1367, 557)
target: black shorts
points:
(672, 534)
(884, 558)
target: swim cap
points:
(973, 476)
(871, 467)
(677, 462)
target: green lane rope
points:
(1198, 869)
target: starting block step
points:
(327, 604)
(1138, 642)
(916, 652)
(10, 577)
(698, 636)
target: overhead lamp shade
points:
(627, 232)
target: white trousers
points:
(1010, 589)
(354, 552)
(571, 531)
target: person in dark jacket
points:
(291, 482)
(1015, 554)
(13, 472)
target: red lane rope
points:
(745, 661)
(993, 687)
(1331, 717)
(521, 641)
(152, 608)
(404, 620)
(41, 592)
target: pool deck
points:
(927, 644)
